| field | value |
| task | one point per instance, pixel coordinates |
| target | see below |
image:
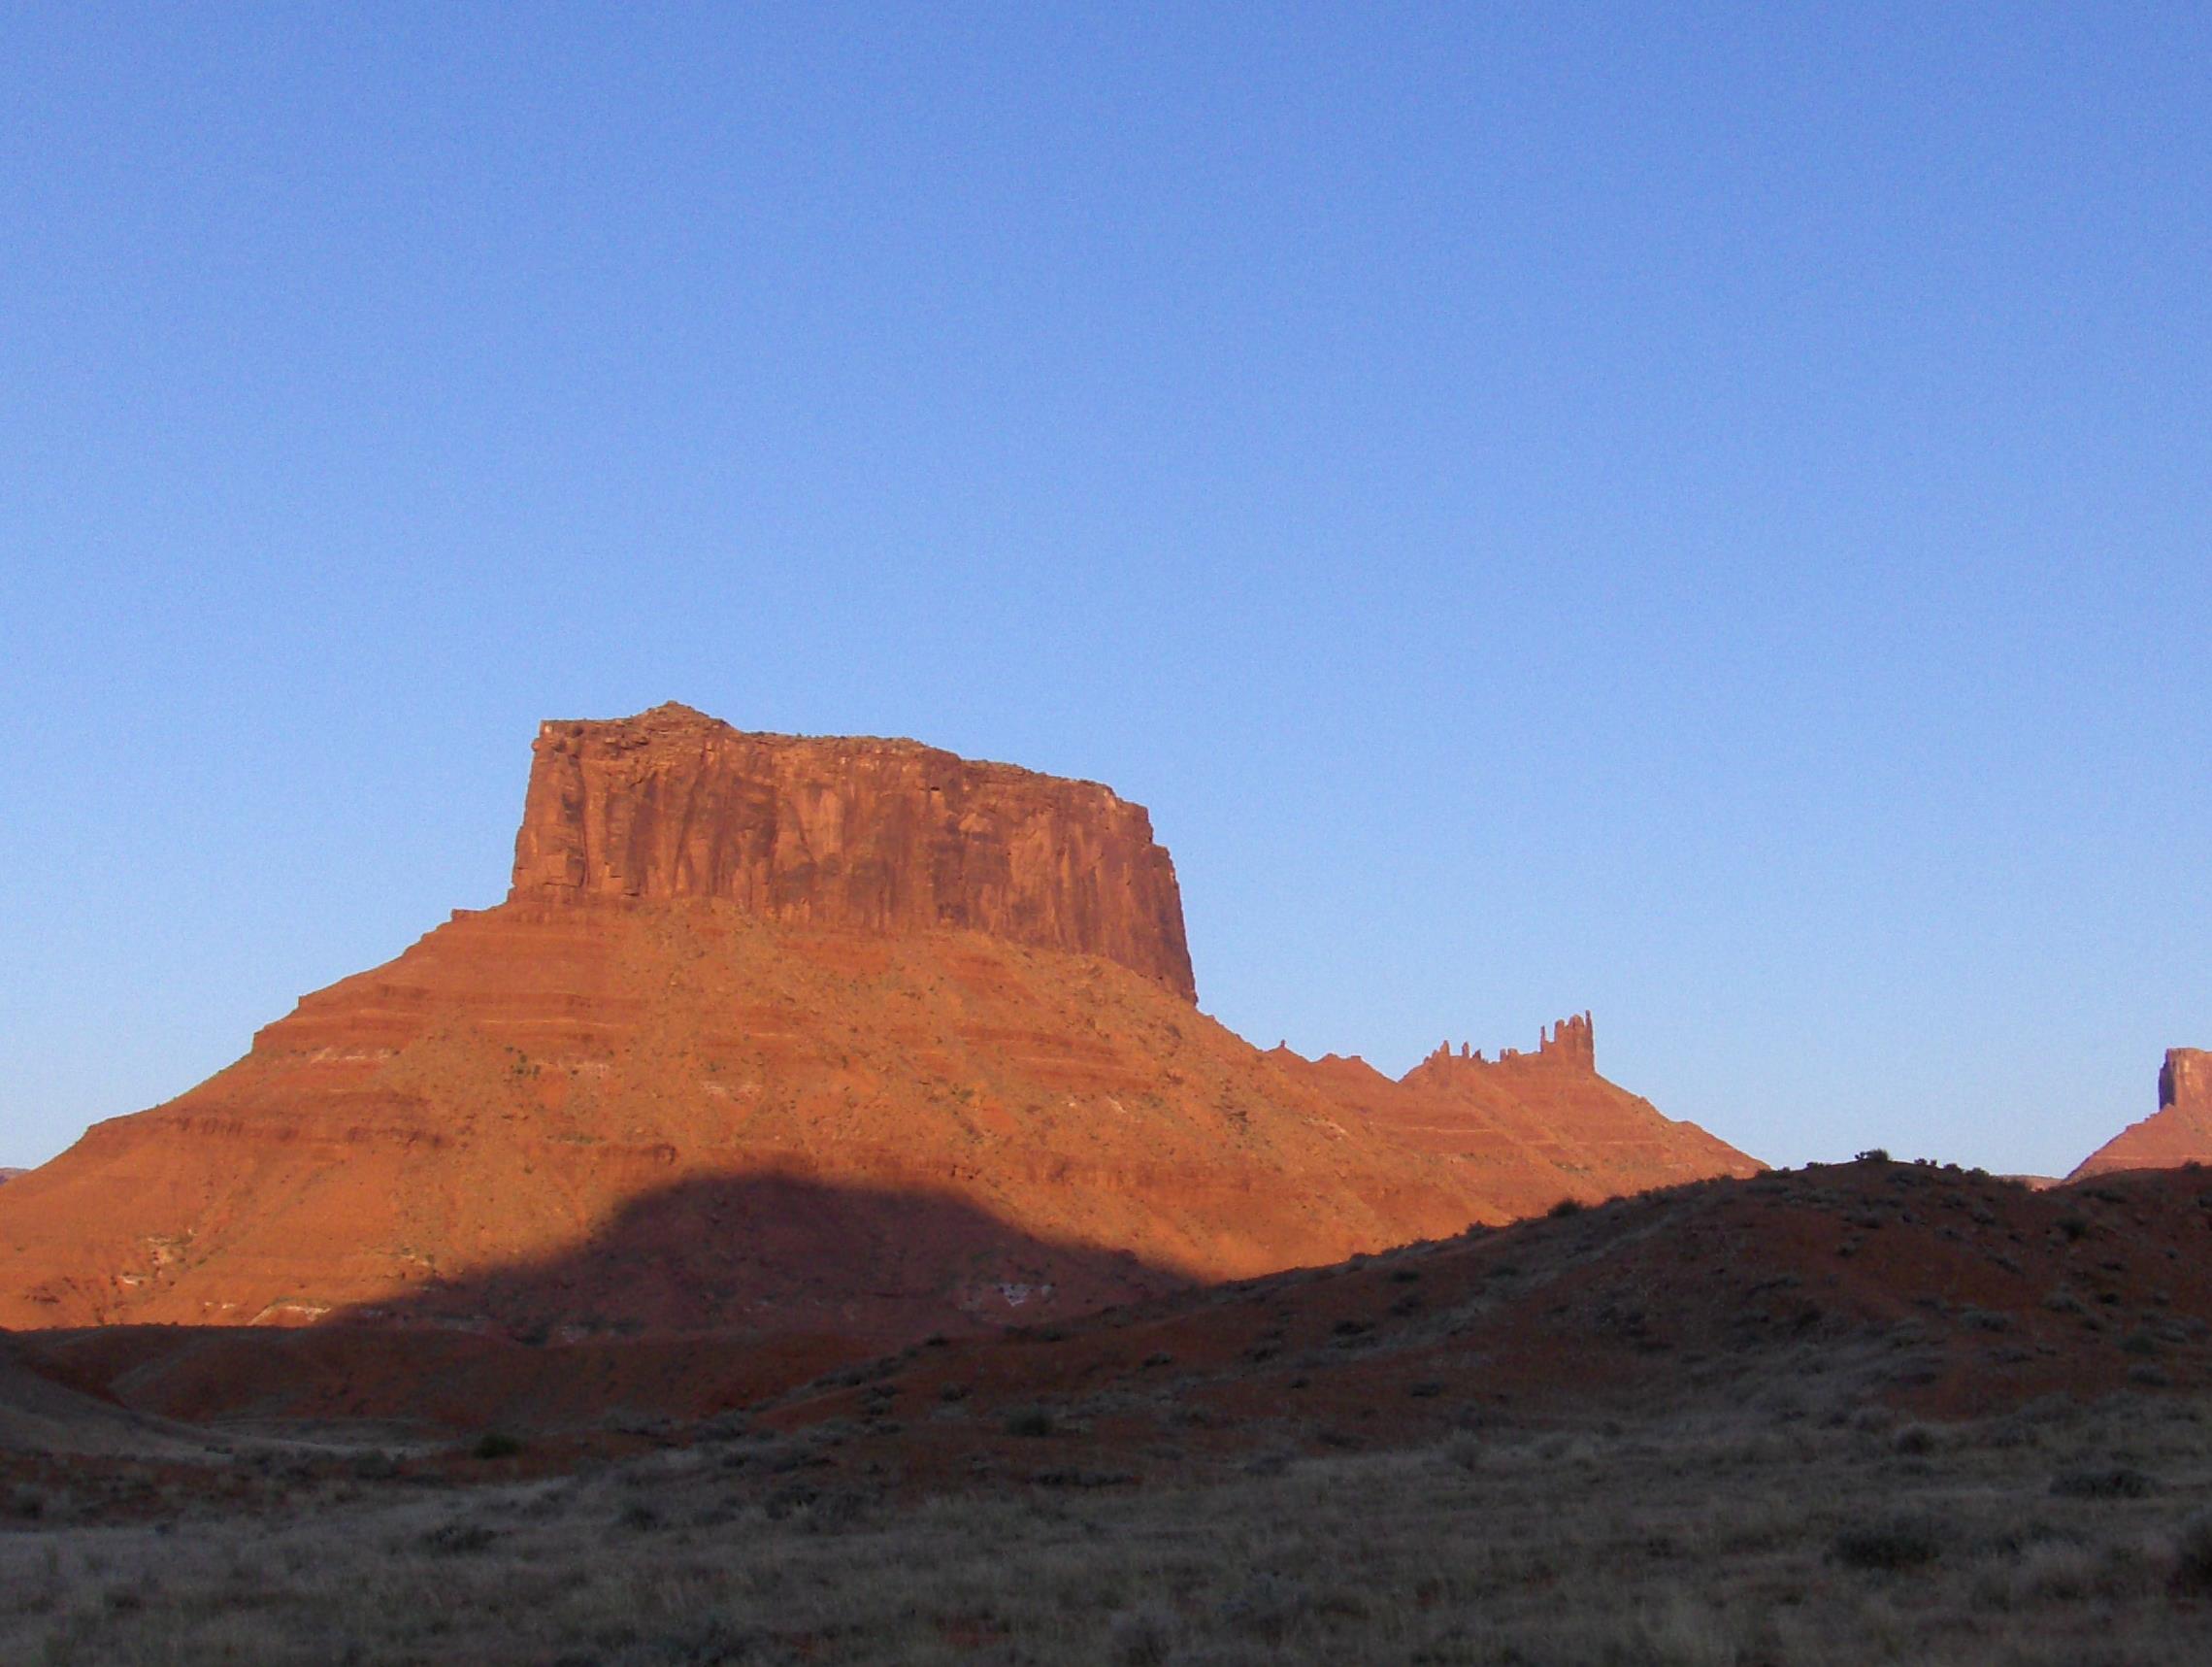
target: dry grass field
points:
(2054, 1534)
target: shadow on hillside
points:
(693, 1298)
(780, 1252)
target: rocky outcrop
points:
(883, 836)
(2178, 1132)
(1526, 1130)
(2184, 1081)
(1569, 1045)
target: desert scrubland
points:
(2056, 1533)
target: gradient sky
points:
(1699, 512)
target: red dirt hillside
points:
(1809, 1293)
(837, 1037)
(1526, 1129)
(2179, 1132)
(1813, 1292)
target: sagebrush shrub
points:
(1893, 1543)
(2109, 1481)
(2192, 1550)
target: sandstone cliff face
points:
(2184, 1081)
(2179, 1132)
(883, 836)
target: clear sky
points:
(1699, 512)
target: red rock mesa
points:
(2178, 1132)
(833, 1036)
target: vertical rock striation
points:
(882, 836)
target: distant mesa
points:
(6, 1175)
(2178, 1132)
(769, 1031)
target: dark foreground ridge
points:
(1925, 1289)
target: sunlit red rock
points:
(800, 1036)
(2178, 1132)
(1526, 1130)
(842, 833)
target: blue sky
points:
(1699, 512)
